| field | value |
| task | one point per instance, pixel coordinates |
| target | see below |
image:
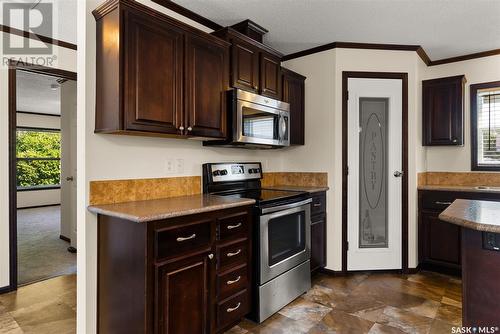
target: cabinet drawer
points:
(232, 254)
(233, 226)
(232, 281)
(171, 242)
(318, 205)
(232, 309)
(436, 200)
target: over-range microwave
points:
(255, 121)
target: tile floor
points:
(47, 307)
(361, 303)
(369, 303)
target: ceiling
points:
(34, 93)
(444, 28)
(63, 25)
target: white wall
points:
(26, 199)
(66, 59)
(458, 159)
(323, 149)
(127, 157)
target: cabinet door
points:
(443, 111)
(441, 241)
(206, 85)
(244, 66)
(153, 74)
(318, 242)
(184, 297)
(270, 76)
(294, 93)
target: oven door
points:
(259, 124)
(285, 238)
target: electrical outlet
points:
(180, 166)
(169, 166)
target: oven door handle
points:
(286, 206)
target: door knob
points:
(70, 178)
(398, 173)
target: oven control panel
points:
(224, 172)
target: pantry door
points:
(375, 170)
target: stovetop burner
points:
(242, 180)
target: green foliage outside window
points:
(38, 158)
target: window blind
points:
(488, 126)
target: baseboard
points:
(344, 273)
(62, 237)
(441, 269)
(38, 206)
(412, 271)
(6, 289)
(331, 272)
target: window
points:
(38, 153)
(485, 126)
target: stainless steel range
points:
(282, 234)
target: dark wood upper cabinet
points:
(245, 66)
(270, 75)
(153, 85)
(156, 75)
(254, 66)
(443, 113)
(207, 81)
(294, 93)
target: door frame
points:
(346, 75)
(12, 95)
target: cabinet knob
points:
(181, 128)
(255, 87)
(454, 140)
(210, 256)
(190, 129)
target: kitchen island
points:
(480, 222)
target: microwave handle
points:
(282, 131)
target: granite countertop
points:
(460, 188)
(476, 215)
(145, 211)
(299, 188)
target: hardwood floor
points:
(360, 303)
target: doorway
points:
(374, 206)
(42, 141)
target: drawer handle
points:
(235, 281)
(234, 254)
(230, 227)
(443, 203)
(316, 205)
(232, 309)
(181, 239)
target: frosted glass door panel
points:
(373, 229)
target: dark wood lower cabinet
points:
(440, 242)
(183, 295)
(318, 231)
(318, 243)
(168, 277)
